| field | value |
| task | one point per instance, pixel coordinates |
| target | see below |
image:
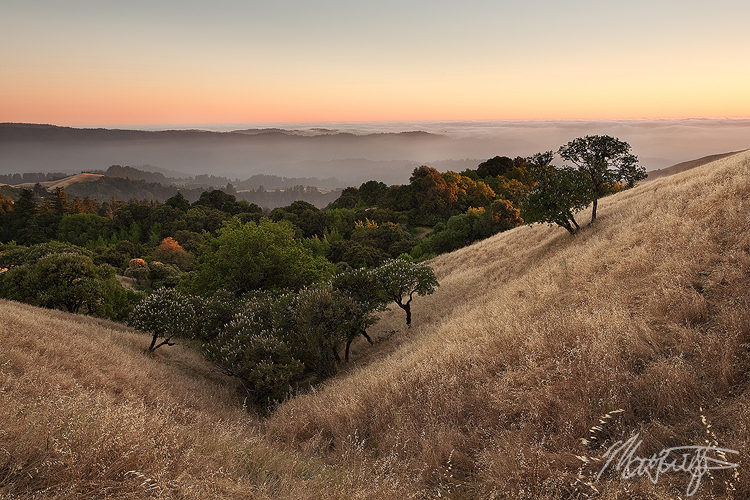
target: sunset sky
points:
(106, 63)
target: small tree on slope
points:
(398, 281)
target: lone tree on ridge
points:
(606, 160)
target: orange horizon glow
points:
(104, 110)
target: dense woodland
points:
(363, 226)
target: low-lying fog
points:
(349, 151)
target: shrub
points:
(67, 281)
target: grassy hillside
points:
(532, 336)
(686, 165)
(64, 183)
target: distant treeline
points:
(205, 180)
(129, 183)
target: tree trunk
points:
(349, 344)
(406, 307)
(593, 212)
(153, 343)
(566, 224)
(346, 352)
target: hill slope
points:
(85, 413)
(686, 165)
(531, 337)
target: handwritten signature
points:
(694, 460)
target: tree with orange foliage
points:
(170, 251)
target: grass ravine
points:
(495, 392)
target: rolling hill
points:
(686, 165)
(65, 182)
(532, 336)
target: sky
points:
(116, 63)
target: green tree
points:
(82, 228)
(212, 314)
(60, 204)
(278, 340)
(476, 224)
(25, 227)
(558, 194)
(219, 200)
(362, 286)
(65, 280)
(606, 161)
(398, 280)
(309, 219)
(246, 257)
(179, 202)
(323, 319)
(370, 192)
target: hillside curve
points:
(532, 336)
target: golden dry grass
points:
(85, 413)
(534, 334)
(531, 337)
(65, 182)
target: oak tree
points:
(607, 161)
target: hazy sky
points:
(101, 62)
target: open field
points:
(530, 338)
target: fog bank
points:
(352, 152)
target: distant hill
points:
(495, 392)
(64, 182)
(686, 165)
(241, 154)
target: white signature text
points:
(695, 460)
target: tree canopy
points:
(557, 196)
(398, 280)
(250, 256)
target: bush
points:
(67, 281)
(280, 340)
